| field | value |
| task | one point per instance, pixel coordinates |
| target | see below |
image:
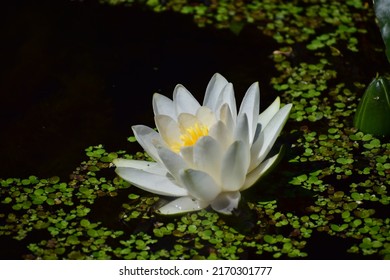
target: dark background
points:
(76, 74)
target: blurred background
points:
(75, 74)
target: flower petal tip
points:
(182, 205)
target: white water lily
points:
(205, 155)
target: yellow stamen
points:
(190, 136)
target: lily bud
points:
(373, 113)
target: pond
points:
(76, 75)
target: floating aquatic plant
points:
(205, 154)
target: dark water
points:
(75, 74)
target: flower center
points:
(191, 135)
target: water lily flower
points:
(205, 155)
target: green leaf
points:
(73, 240)
(133, 196)
(85, 223)
(7, 200)
(269, 239)
(92, 233)
(299, 179)
(372, 114)
(236, 27)
(382, 13)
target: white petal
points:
(251, 106)
(227, 97)
(226, 202)
(208, 156)
(227, 117)
(182, 205)
(172, 161)
(272, 130)
(221, 134)
(200, 184)
(187, 152)
(150, 182)
(259, 171)
(162, 105)
(206, 116)
(258, 141)
(235, 166)
(241, 131)
(186, 121)
(268, 113)
(148, 166)
(168, 129)
(184, 101)
(148, 138)
(213, 90)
